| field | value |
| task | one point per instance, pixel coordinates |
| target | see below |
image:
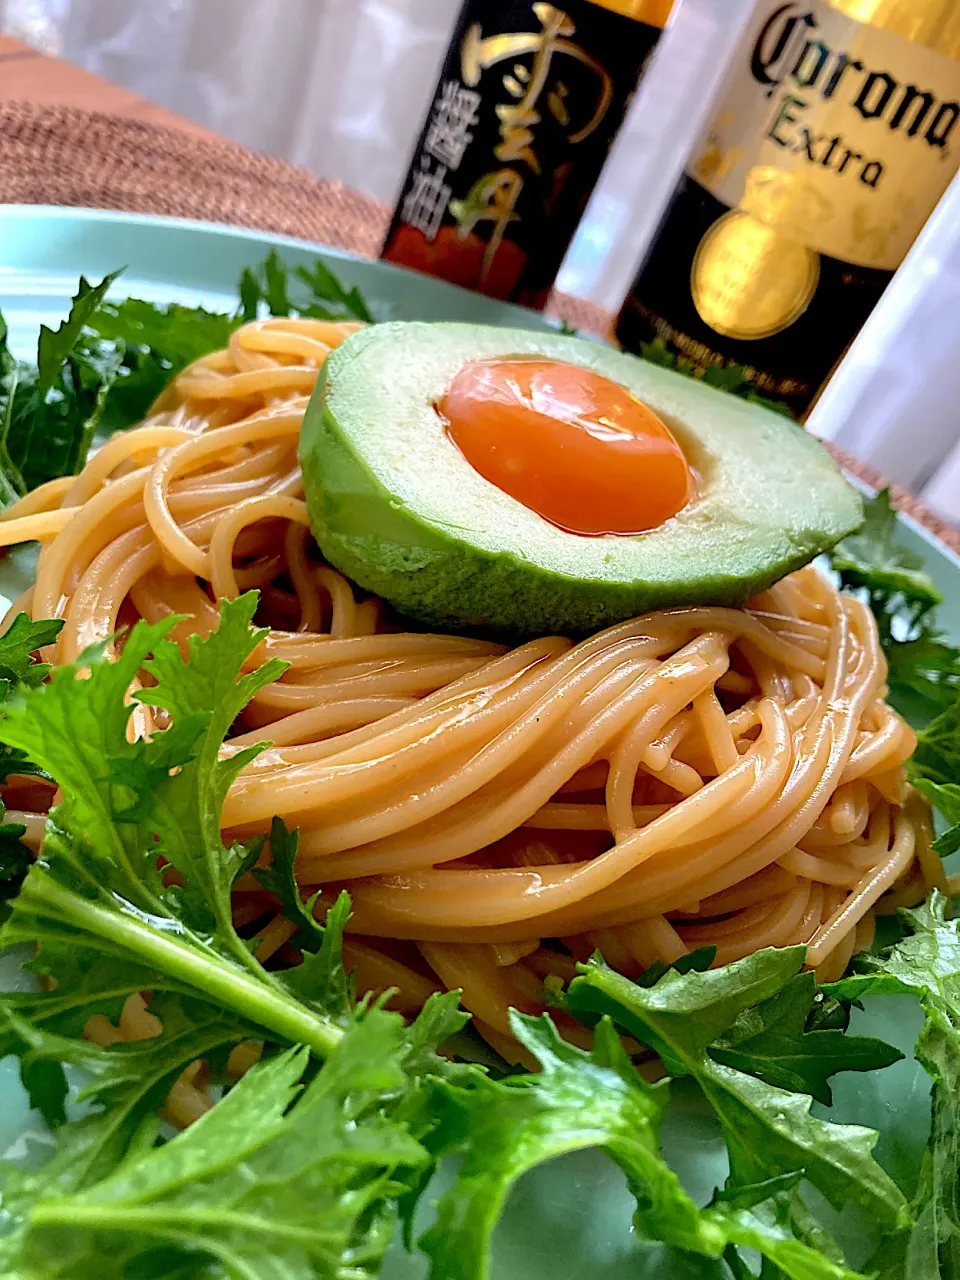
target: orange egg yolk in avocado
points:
(568, 443)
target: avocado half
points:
(396, 506)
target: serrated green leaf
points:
(55, 346)
(19, 643)
(937, 754)
(325, 287)
(688, 1010)
(157, 342)
(694, 961)
(768, 1131)
(767, 1228)
(581, 1100)
(924, 667)
(278, 1180)
(129, 1079)
(46, 1087)
(730, 378)
(577, 1101)
(305, 291)
(15, 861)
(280, 879)
(923, 673)
(107, 362)
(49, 412)
(186, 806)
(321, 979)
(872, 558)
(935, 771)
(275, 285)
(101, 884)
(771, 1041)
(926, 964)
(249, 291)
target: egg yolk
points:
(569, 444)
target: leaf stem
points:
(178, 956)
(164, 1220)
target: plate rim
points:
(228, 230)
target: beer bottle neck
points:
(933, 23)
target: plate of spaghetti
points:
(331, 913)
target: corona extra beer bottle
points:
(834, 135)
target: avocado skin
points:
(396, 507)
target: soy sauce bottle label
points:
(827, 152)
(529, 99)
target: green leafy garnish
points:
(126, 805)
(871, 558)
(694, 961)
(924, 669)
(926, 964)
(773, 1041)
(582, 1100)
(280, 879)
(156, 343)
(47, 1027)
(768, 1131)
(17, 668)
(769, 1227)
(106, 364)
(731, 378)
(315, 292)
(50, 411)
(15, 860)
(935, 771)
(17, 646)
(281, 1178)
(579, 1100)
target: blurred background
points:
(341, 87)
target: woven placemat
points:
(61, 155)
(65, 156)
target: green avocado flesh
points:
(396, 506)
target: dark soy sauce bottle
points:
(529, 99)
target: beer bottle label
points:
(825, 156)
(529, 99)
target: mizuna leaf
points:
(101, 885)
(768, 1131)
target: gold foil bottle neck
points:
(654, 12)
(933, 23)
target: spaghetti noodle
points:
(695, 776)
